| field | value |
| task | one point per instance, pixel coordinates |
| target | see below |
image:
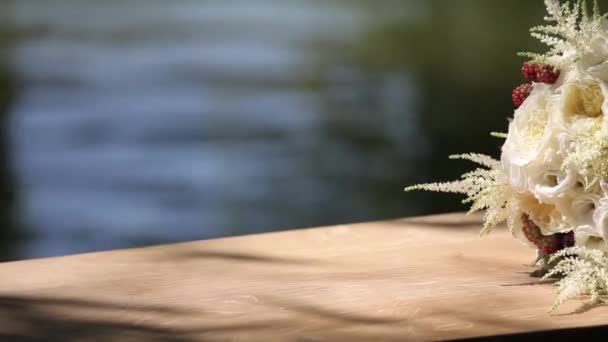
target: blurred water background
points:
(136, 122)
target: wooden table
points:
(423, 278)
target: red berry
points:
(548, 244)
(568, 239)
(520, 94)
(529, 70)
(546, 74)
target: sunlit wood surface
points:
(414, 279)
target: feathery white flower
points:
(589, 157)
(570, 34)
(583, 270)
(486, 188)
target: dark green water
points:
(139, 122)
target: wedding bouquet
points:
(551, 182)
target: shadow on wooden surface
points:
(597, 333)
(56, 319)
(241, 257)
(34, 318)
(440, 221)
(31, 318)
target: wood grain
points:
(425, 278)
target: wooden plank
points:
(423, 278)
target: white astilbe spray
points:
(486, 188)
(590, 158)
(570, 34)
(584, 271)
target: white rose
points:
(531, 144)
(546, 216)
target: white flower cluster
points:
(551, 182)
(556, 152)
